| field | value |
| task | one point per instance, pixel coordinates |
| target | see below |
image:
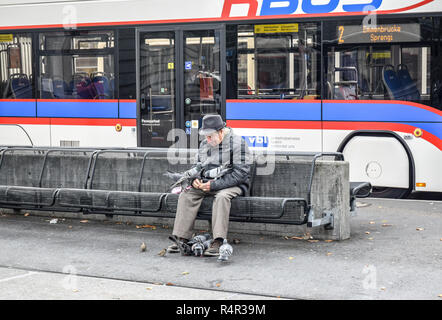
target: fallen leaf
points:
(145, 226)
(361, 204)
(420, 229)
(370, 238)
(328, 241)
(84, 221)
(218, 285)
(162, 253)
(372, 222)
(383, 288)
(329, 253)
(297, 238)
(313, 241)
(169, 284)
(149, 288)
(75, 290)
(184, 273)
(367, 232)
(26, 214)
(386, 225)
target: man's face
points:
(215, 138)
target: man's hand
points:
(198, 184)
(205, 186)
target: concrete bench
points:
(299, 191)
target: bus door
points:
(179, 81)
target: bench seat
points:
(109, 200)
(257, 209)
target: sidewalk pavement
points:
(394, 253)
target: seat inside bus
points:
(409, 86)
(399, 84)
(20, 86)
(101, 86)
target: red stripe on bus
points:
(24, 120)
(93, 122)
(17, 100)
(414, 6)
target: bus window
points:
(77, 65)
(275, 61)
(16, 81)
(392, 60)
(127, 66)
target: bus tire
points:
(385, 192)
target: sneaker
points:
(173, 248)
(213, 250)
(181, 244)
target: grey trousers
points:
(189, 203)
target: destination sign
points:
(382, 33)
(276, 28)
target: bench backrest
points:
(21, 167)
(66, 169)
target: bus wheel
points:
(394, 193)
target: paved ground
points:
(394, 253)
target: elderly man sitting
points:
(225, 161)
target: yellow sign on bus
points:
(6, 37)
(276, 28)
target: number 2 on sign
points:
(341, 33)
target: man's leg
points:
(221, 211)
(189, 203)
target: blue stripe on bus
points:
(128, 110)
(297, 111)
(17, 108)
(77, 109)
(366, 111)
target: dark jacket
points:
(235, 158)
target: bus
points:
(361, 77)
